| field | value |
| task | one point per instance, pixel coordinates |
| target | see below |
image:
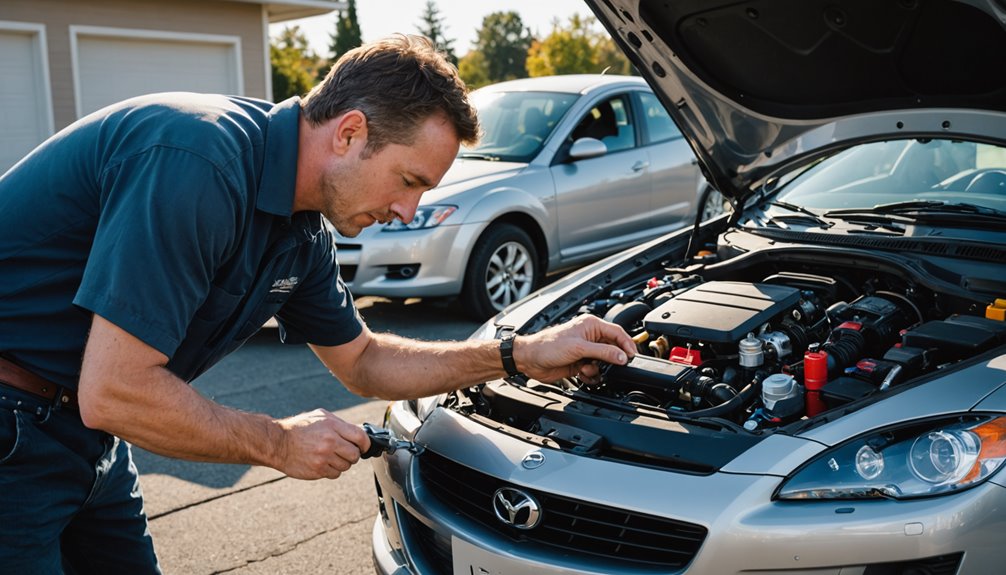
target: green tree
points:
(504, 41)
(472, 69)
(294, 65)
(346, 36)
(576, 48)
(432, 26)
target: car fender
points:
(508, 201)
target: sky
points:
(461, 19)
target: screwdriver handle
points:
(380, 441)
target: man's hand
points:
(319, 445)
(573, 349)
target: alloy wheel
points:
(510, 275)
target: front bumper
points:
(375, 257)
(747, 531)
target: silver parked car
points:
(820, 384)
(569, 169)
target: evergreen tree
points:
(346, 36)
(432, 26)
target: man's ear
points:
(350, 130)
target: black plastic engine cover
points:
(957, 337)
(721, 312)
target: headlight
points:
(426, 217)
(913, 460)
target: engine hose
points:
(910, 303)
(737, 402)
(844, 349)
(711, 391)
(627, 314)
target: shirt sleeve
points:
(321, 310)
(168, 219)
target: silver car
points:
(820, 383)
(569, 169)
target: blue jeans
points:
(70, 498)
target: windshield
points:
(515, 124)
(903, 170)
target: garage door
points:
(111, 65)
(25, 104)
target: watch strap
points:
(506, 355)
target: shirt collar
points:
(279, 170)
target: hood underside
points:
(747, 81)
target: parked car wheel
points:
(714, 204)
(503, 268)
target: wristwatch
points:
(506, 354)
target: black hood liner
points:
(811, 59)
(760, 86)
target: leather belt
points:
(18, 377)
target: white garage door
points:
(25, 108)
(112, 65)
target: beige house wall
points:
(183, 16)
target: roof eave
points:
(283, 10)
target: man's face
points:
(361, 191)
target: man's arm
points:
(392, 367)
(126, 390)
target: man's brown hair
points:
(397, 82)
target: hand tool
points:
(384, 441)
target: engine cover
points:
(719, 311)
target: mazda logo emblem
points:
(516, 508)
(533, 460)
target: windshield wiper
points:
(478, 156)
(761, 217)
(925, 210)
(802, 210)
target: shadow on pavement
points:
(430, 319)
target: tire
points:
(714, 204)
(503, 268)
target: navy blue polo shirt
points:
(170, 216)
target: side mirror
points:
(585, 148)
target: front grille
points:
(941, 565)
(435, 548)
(569, 525)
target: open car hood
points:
(756, 85)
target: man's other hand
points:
(573, 349)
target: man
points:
(148, 240)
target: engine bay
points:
(740, 347)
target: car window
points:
(900, 170)
(610, 122)
(515, 125)
(658, 124)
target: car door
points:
(602, 203)
(675, 173)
